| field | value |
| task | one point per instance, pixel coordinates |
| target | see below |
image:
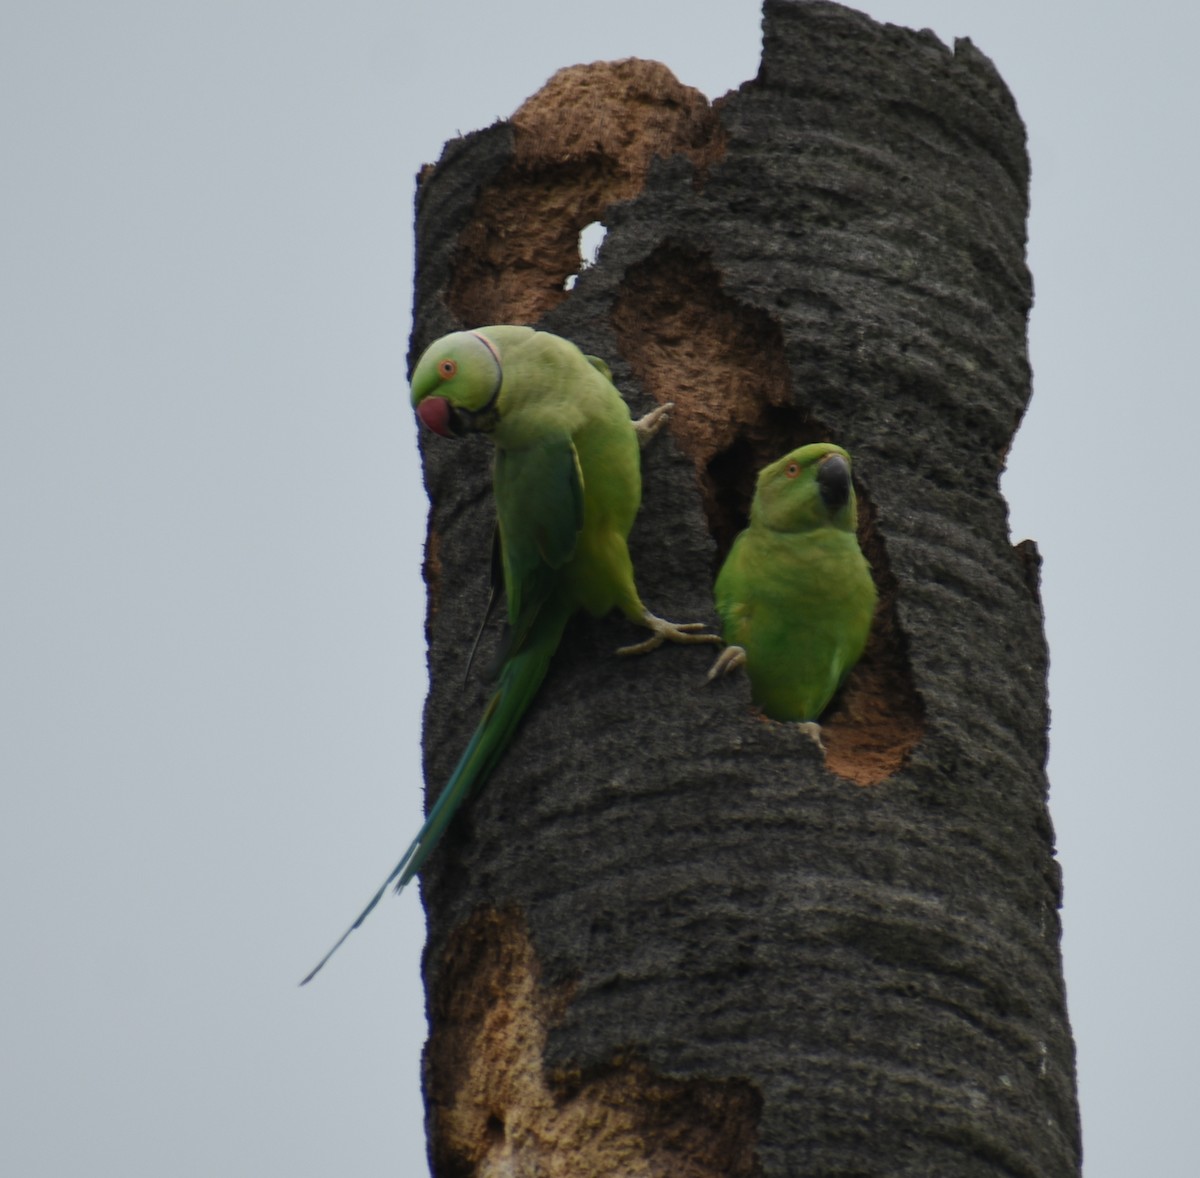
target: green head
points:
(456, 384)
(806, 489)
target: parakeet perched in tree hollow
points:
(567, 483)
(795, 593)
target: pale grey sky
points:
(211, 516)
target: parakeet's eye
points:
(447, 368)
(793, 469)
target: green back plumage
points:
(795, 591)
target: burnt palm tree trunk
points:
(668, 937)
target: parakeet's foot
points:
(813, 730)
(810, 728)
(664, 631)
(728, 660)
(646, 427)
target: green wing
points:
(730, 592)
(539, 507)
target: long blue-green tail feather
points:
(520, 678)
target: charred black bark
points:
(758, 960)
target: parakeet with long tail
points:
(795, 593)
(567, 484)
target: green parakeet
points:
(795, 594)
(567, 484)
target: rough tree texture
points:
(668, 937)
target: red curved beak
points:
(435, 413)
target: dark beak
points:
(833, 478)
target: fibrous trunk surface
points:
(669, 937)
